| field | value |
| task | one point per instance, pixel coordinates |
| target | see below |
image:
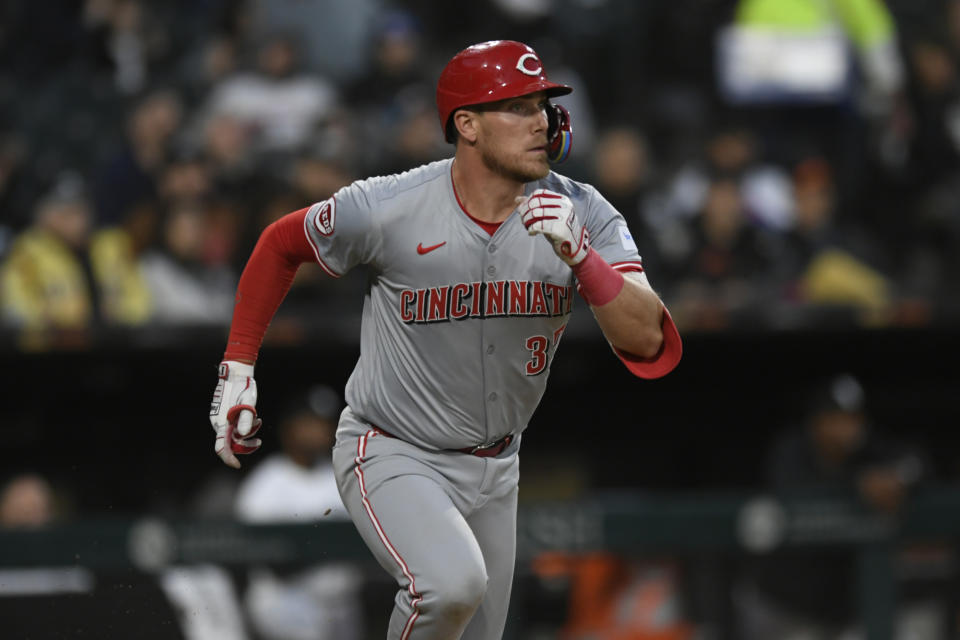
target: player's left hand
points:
(233, 412)
(552, 215)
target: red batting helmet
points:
(488, 72)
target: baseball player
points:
(474, 265)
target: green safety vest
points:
(867, 22)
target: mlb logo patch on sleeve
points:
(626, 238)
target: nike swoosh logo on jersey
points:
(422, 250)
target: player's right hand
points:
(551, 214)
(233, 412)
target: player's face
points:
(513, 137)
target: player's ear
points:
(466, 123)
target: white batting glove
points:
(552, 215)
(233, 412)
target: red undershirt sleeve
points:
(281, 249)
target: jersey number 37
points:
(539, 347)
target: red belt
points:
(489, 450)
(481, 451)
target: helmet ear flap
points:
(559, 133)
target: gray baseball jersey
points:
(459, 327)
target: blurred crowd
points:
(144, 145)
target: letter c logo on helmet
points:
(487, 72)
(522, 64)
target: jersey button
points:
(491, 270)
(492, 248)
(490, 349)
(492, 397)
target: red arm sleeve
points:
(282, 248)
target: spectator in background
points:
(798, 67)
(297, 485)
(935, 153)
(187, 286)
(768, 35)
(60, 275)
(932, 264)
(279, 105)
(210, 63)
(226, 143)
(130, 176)
(186, 177)
(397, 64)
(725, 275)
(621, 166)
(388, 97)
(122, 41)
(222, 165)
(826, 262)
(115, 256)
(836, 453)
(27, 500)
(236, 172)
(412, 138)
(839, 448)
(731, 153)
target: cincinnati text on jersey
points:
(494, 299)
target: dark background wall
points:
(125, 429)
